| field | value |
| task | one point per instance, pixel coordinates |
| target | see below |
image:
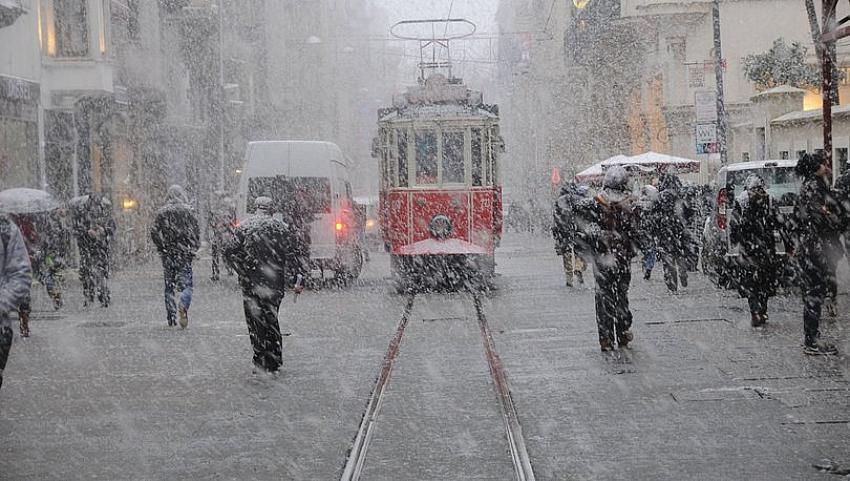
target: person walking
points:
(612, 223)
(94, 229)
(15, 281)
(564, 232)
(753, 227)
(176, 235)
(671, 232)
(220, 221)
(817, 218)
(263, 253)
(647, 228)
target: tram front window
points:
(402, 158)
(426, 157)
(453, 158)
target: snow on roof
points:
(779, 89)
(760, 164)
(647, 159)
(816, 114)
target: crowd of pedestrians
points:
(611, 227)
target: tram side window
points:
(426, 157)
(402, 157)
(477, 172)
(453, 168)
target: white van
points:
(317, 173)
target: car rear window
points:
(778, 181)
(313, 192)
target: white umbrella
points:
(26, 201)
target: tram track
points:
(358, 451)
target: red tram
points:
(440, 192)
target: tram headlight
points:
(441, 227)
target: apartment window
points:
(784, 155)
(745, 157)
(70, 28)
(800, 153)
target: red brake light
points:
(339, 226)
(722, 198)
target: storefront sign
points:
(18, 90)
(705, 102)
(706, 139)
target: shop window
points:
(401, 135)
(69, 30)
(453, 165)
(426, 157)
(477, 164)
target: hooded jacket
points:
(175, 231)
(15, 271)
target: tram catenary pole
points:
(826, 72)
(718, 75)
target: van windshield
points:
(314, 193)
(778, 181)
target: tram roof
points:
(438, 112)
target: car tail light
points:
(722, 199)
(339, 226)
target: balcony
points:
(67, 80)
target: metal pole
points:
(826, 87)
(221, 92)
(718, 74)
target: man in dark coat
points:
(818, 219)
(672, 235)
(753, 227)
(263, 253)
(176, 235)
(94, 229)
(612, 228)
(564, 232)
(220, 222)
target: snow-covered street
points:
(116, 394)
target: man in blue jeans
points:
(176, 235)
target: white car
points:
(318, 174)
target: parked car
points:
(719, 256)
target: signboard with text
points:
(706, 139)
(705, 102)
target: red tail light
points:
(339, 226)
(722, 199)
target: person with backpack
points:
(610, 222)
(264, 254)
(818, 218)
(564, 233)
(176, 235)
(672, 234)
(15, 281)
(94, 229)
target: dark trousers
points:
(815, 288)
(94, 270)
(758, 302)
(612, 300)
(264, 329)
(675, 271)
(178, 276)
(5, 347)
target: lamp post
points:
(718, 75)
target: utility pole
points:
(826, 72)
(222, 103)
(718, 75)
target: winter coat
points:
(15, 273)
(611, 225)
(93, 226)
(753, 228)
(818, 217)
(175, 231)
(669, 222)
(264, 253)
(564, 224)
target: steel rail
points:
(357, 454)
(513, 429)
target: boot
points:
(24, 318)
(624, 338)
(647, 274)
(606, 344)
(579, 276)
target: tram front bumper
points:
(443, 247)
